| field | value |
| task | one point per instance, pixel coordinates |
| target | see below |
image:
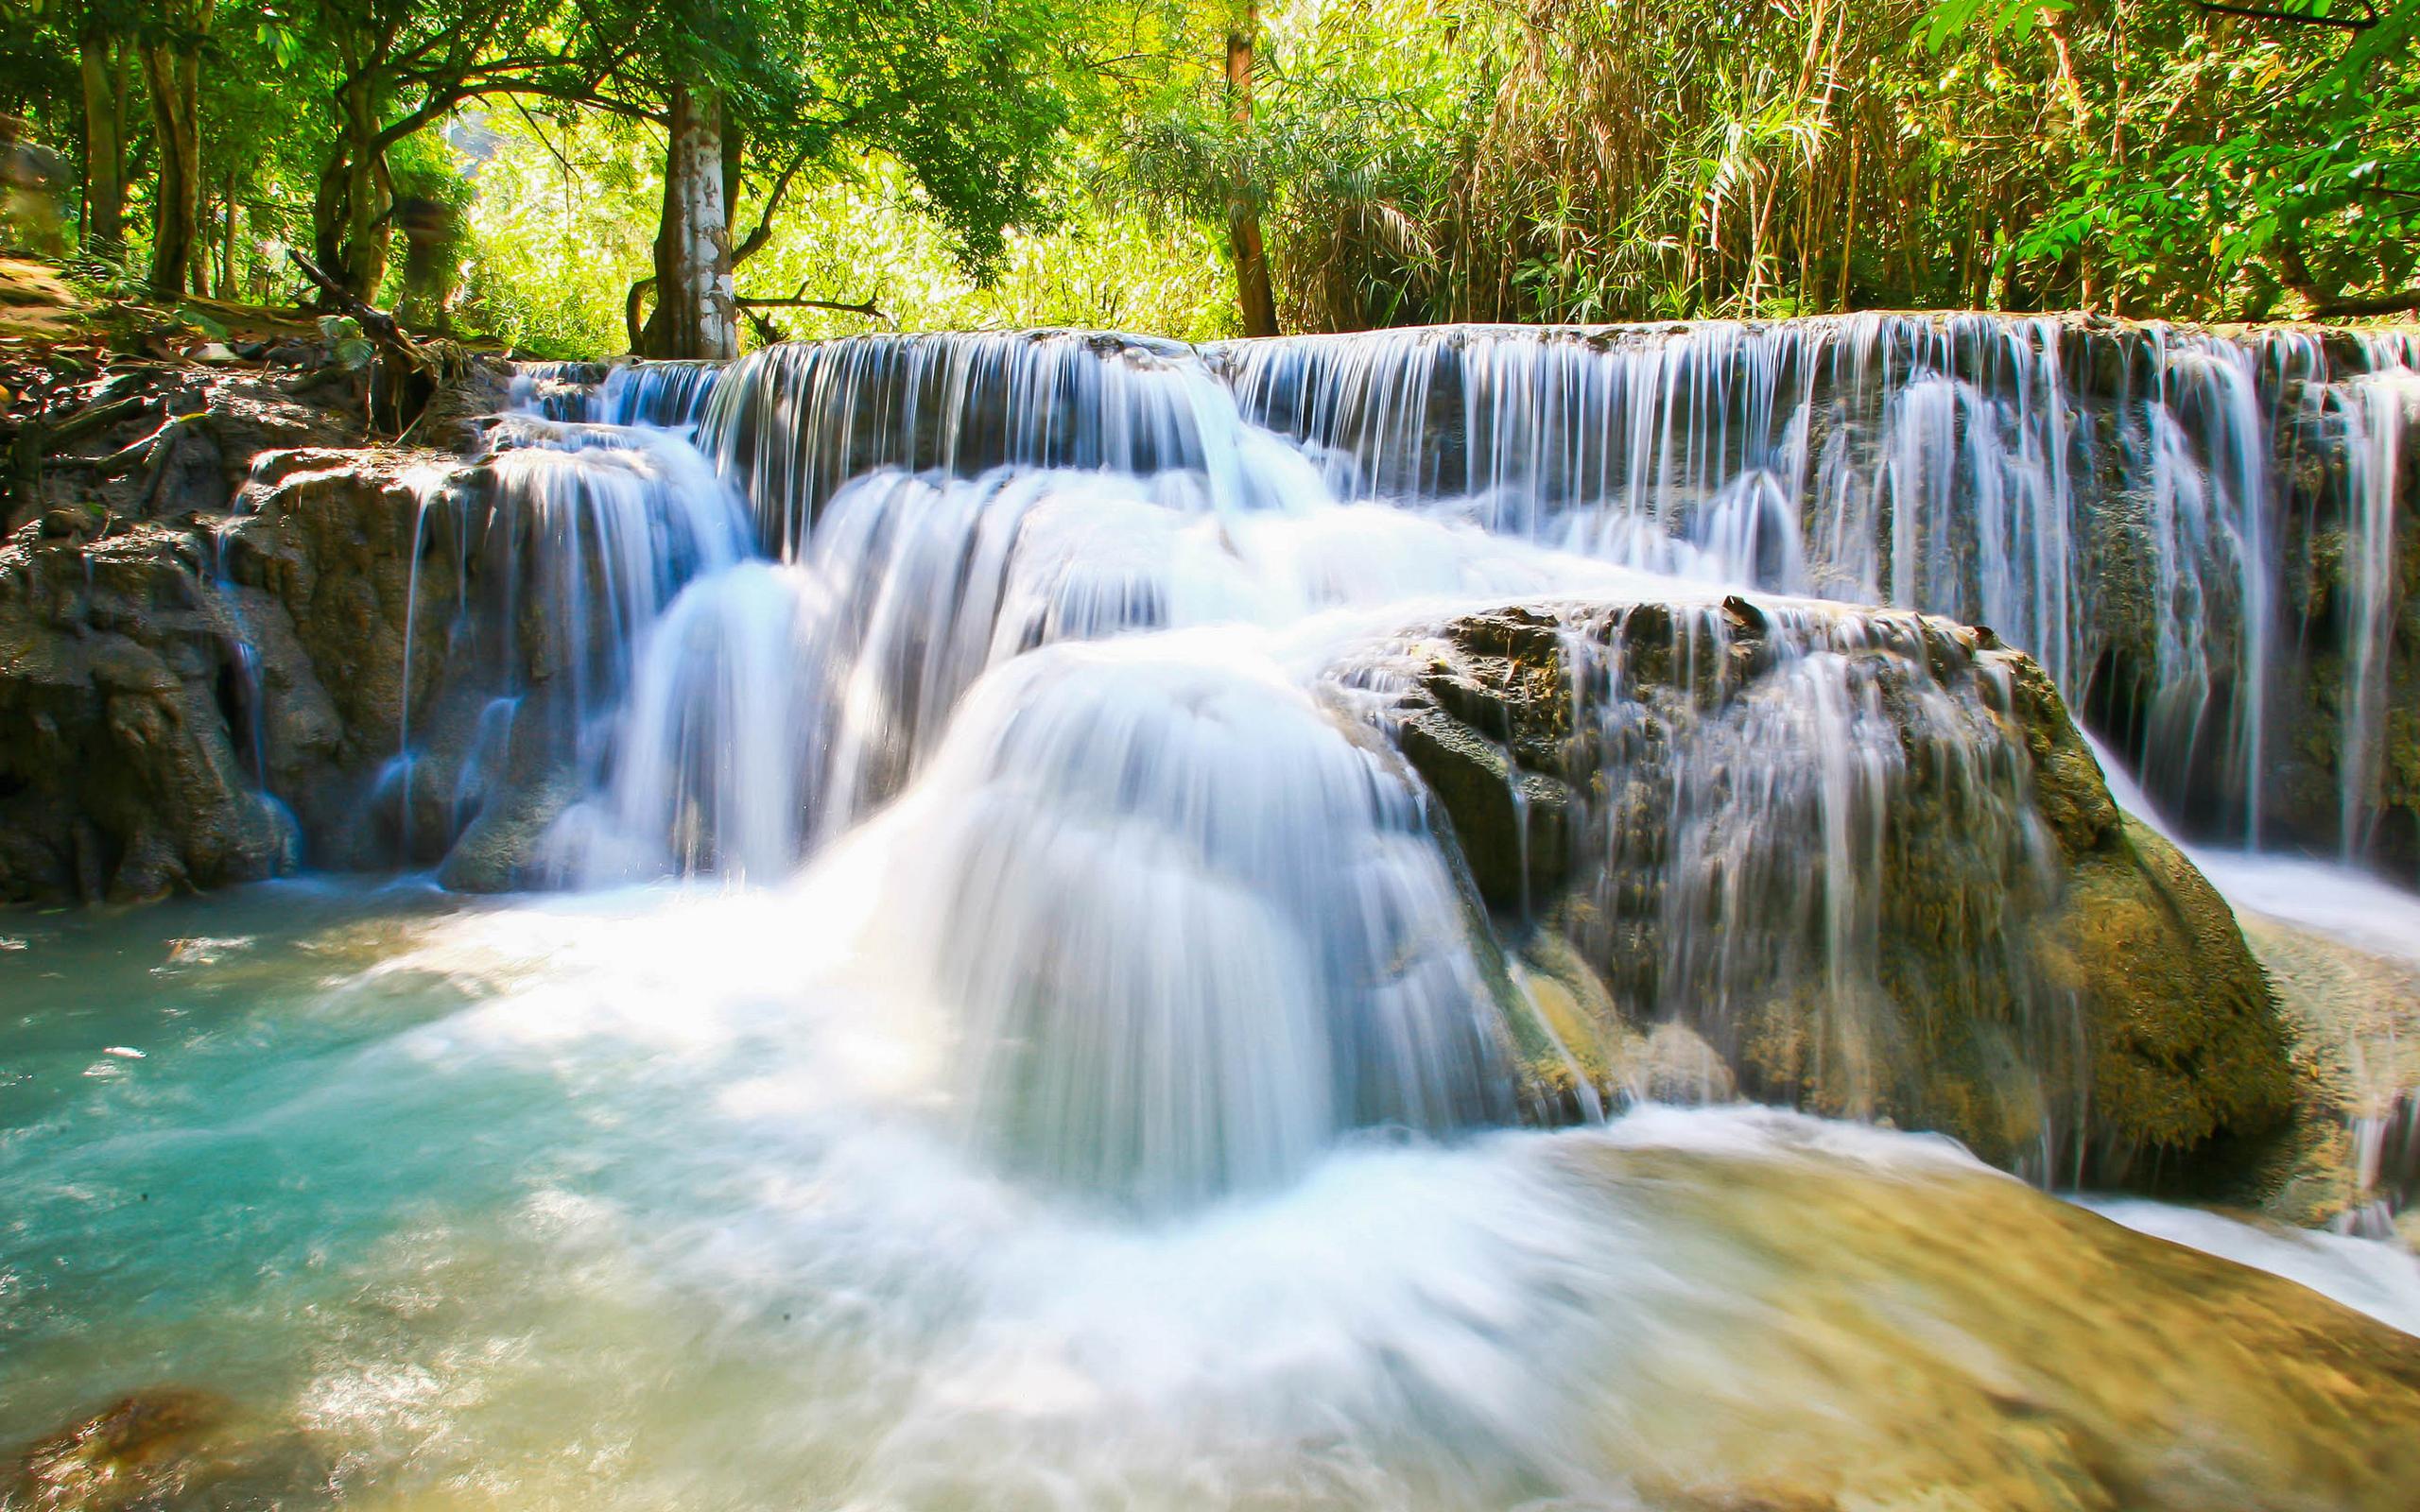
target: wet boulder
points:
(120, 704)
(1863, 856)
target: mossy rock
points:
(2189, 1047)
(2036, 976)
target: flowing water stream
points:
(1003, 1028)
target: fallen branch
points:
(151, 451)
(34, 441)
(2376, 304)
(402, 388)
(56, 434)
(377, 323)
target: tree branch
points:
(2298, 18)
(378, 323)
(799, 301)
(2376, 304)
(35, 440)
(151, 451)
(56, 434)
(754, 241)
(634, 307)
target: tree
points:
(697, 313)
(969, 95)
(172, 75)
(1243, 209)
(2263, 149)
(71, 67)
(105, 66)
(391, 68)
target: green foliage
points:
(2015, 19)
(981, 163)
(560, 224)
(1566, 160)
(1099, 265)
(2246, 163)
(345, 342)
(563, 216)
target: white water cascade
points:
(2136, 507)
(843, 577)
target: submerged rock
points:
(1863, 856)
(142, 1446)
(1905, 1337)
(164, 1446)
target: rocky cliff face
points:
(120, 688)
(159, 677)
(203, 658)
(1852, 860)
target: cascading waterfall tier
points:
(2196, 533)
(793, 424)
(1119, 851)
(1188, 931)
(563, 552)
(1812, 837)
(778, 597)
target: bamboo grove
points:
(1573, 160)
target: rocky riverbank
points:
(214, 620)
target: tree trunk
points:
(352, 232)
(173, 71)
(697, 314)
(104, 142)
(205, 236)
(1243, 216)
(329, 210)
(227, 240)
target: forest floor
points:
(42, 307)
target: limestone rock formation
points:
(166, 1446)
(1862, 854)
(119, 694)
(1980, 1346)
(228, 623)
(2165, 506)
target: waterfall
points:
(1189, 932)
(564, 552)
(2375, 407)
(793, 422)
(666, 394)
(1097, 642)
(2133, 504)
(1090, 848)
(1833, 788)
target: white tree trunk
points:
(697, 313)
